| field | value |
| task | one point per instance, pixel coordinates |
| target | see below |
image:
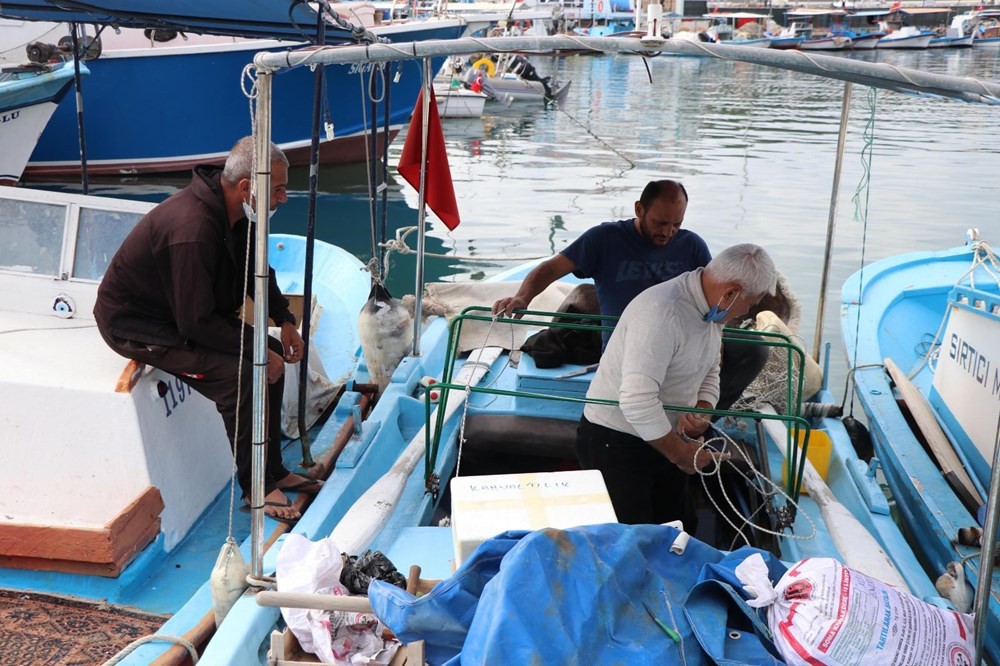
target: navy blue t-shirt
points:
(623, 264)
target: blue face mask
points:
(717, 315)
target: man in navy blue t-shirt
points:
(626, 257)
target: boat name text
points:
(361, 67)
(974, 362)
(173, 399)
(8, 117)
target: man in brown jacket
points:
(171, 298)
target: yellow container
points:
(819, 452)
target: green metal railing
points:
(795, 455)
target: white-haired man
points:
(665, 350)
(170, 299)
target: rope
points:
(863, 185)
(157, 638)
(752, 479)
(399, 245)
(983, 257)
(468, 388)
(265, 582)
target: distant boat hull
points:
(865, 42)
(826, 44)
(27, 102)
(910, 42)
(166, 109)
(459, 102)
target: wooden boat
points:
(920, 330)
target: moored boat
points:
(29, 95)
(920, 330)
(166, 69)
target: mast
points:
(421, 213)
(831, 223)
(262, 204)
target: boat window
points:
(32, 234)
(99, 236)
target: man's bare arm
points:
(535, 283)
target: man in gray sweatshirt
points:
(666, 350)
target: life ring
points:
(487, 64)
(600, 5)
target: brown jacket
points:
(177, 278)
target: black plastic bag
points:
(360, 571)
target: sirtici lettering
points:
(972, 361)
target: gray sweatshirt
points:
(662, 351)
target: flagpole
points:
(421, 214)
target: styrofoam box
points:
(484, 506)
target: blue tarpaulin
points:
(578, 596)
(278, 19)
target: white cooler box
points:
(484, 506)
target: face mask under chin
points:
(718, 315)
(249, 212)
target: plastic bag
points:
(336, 638)
(359, 572)
(828, 614)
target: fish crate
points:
(484, 506)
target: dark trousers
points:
(644, 486)
(213, 374)
(741, 363)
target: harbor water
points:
(754, 147)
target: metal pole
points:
(78, 82)
(991, 529)
(319, 85)
(262, 158)
(832, 221)
(419, 289)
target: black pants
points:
(213, 374)
(741, 363)
(644, 486)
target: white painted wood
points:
(938, 442)
(370, 513)
(858, 549)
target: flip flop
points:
(245, 508)
(309, 487)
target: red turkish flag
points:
(440, 191)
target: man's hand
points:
(292, 342)
(693, 425)
(275, 366)
(686, 454)
(506, 306)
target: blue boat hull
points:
(903, 302)
(152, 113)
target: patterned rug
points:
(41, 630)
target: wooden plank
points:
(129, 377)
(111, 545)
(938, 442)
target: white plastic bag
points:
(336, 638)
(828, 614)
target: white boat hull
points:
(459, 102)
(19, 132)
(826, 44)
(914, 42)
